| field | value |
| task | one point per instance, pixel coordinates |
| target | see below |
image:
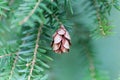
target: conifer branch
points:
(13, 67)
(6, 55)
(11, 1)
(56, 18)
(14, 63)
(35, 52)
(31, 13)
(91, 63)
(91, 66)
(99, 18)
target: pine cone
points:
(61, 40)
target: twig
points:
(11, 73)
(99, 18)
(91, 65)
(56, 18)
(6, 55)
(31, 13)
(14, 63)
(11, 1)
(35, 52)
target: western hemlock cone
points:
(61, 40)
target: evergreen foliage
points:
(27, 26)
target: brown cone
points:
(61, 40)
